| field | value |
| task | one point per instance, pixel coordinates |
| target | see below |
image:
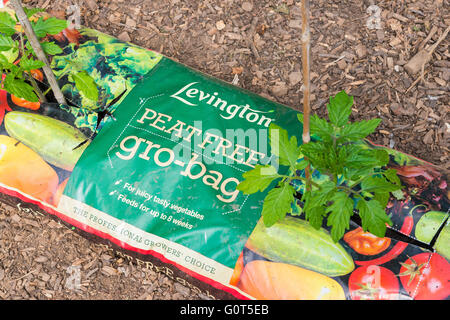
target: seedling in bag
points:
(357, 177)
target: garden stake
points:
(306, 80)
(34, 42)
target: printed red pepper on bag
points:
(398, 248)
(25, 103)
(3, 105)
(37, 74)
(365, 242)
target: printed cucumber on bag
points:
(57, 142)
(46, 139)
(295, 241)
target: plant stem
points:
(354, 184)
(304, 180)
(47, 91)
(36, 88)
(35, 44)
(349, 190)
(29, 77)
(22, 46)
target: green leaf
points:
(6, 43)
(307, 194)
(342, 157)
(358, 130)
(30, 64)
(15, 71)
(340, 108)
(361, 159)
(258, 179)
(382, 156)
(317, 153)
(301, 165)
(49, 26)
(321, 196)
(86, 84)
(319, 126)
(4, 63)
(398, 194)
(325, 192)
(378, 184)
(391, 175)
(19, 88)
(382, 198)
(357, 157)
(355, 174)
(277, 204)
(11, 55)
(51, 48)
(39, 27)
(340, 212)
(286, 149)
(32, 11)
(362, 162)
(315, 216)
(373, 217)
(7, 24)
(55, 26)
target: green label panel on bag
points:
(173, 156)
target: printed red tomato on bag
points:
(426, 276)
(373, 283)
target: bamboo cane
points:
(306, 77)
(36, 45)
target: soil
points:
(257, 44)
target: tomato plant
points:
(366, 243)
(358, 177)
(425, 276)
(373, 283)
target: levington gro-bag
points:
(156, 180)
